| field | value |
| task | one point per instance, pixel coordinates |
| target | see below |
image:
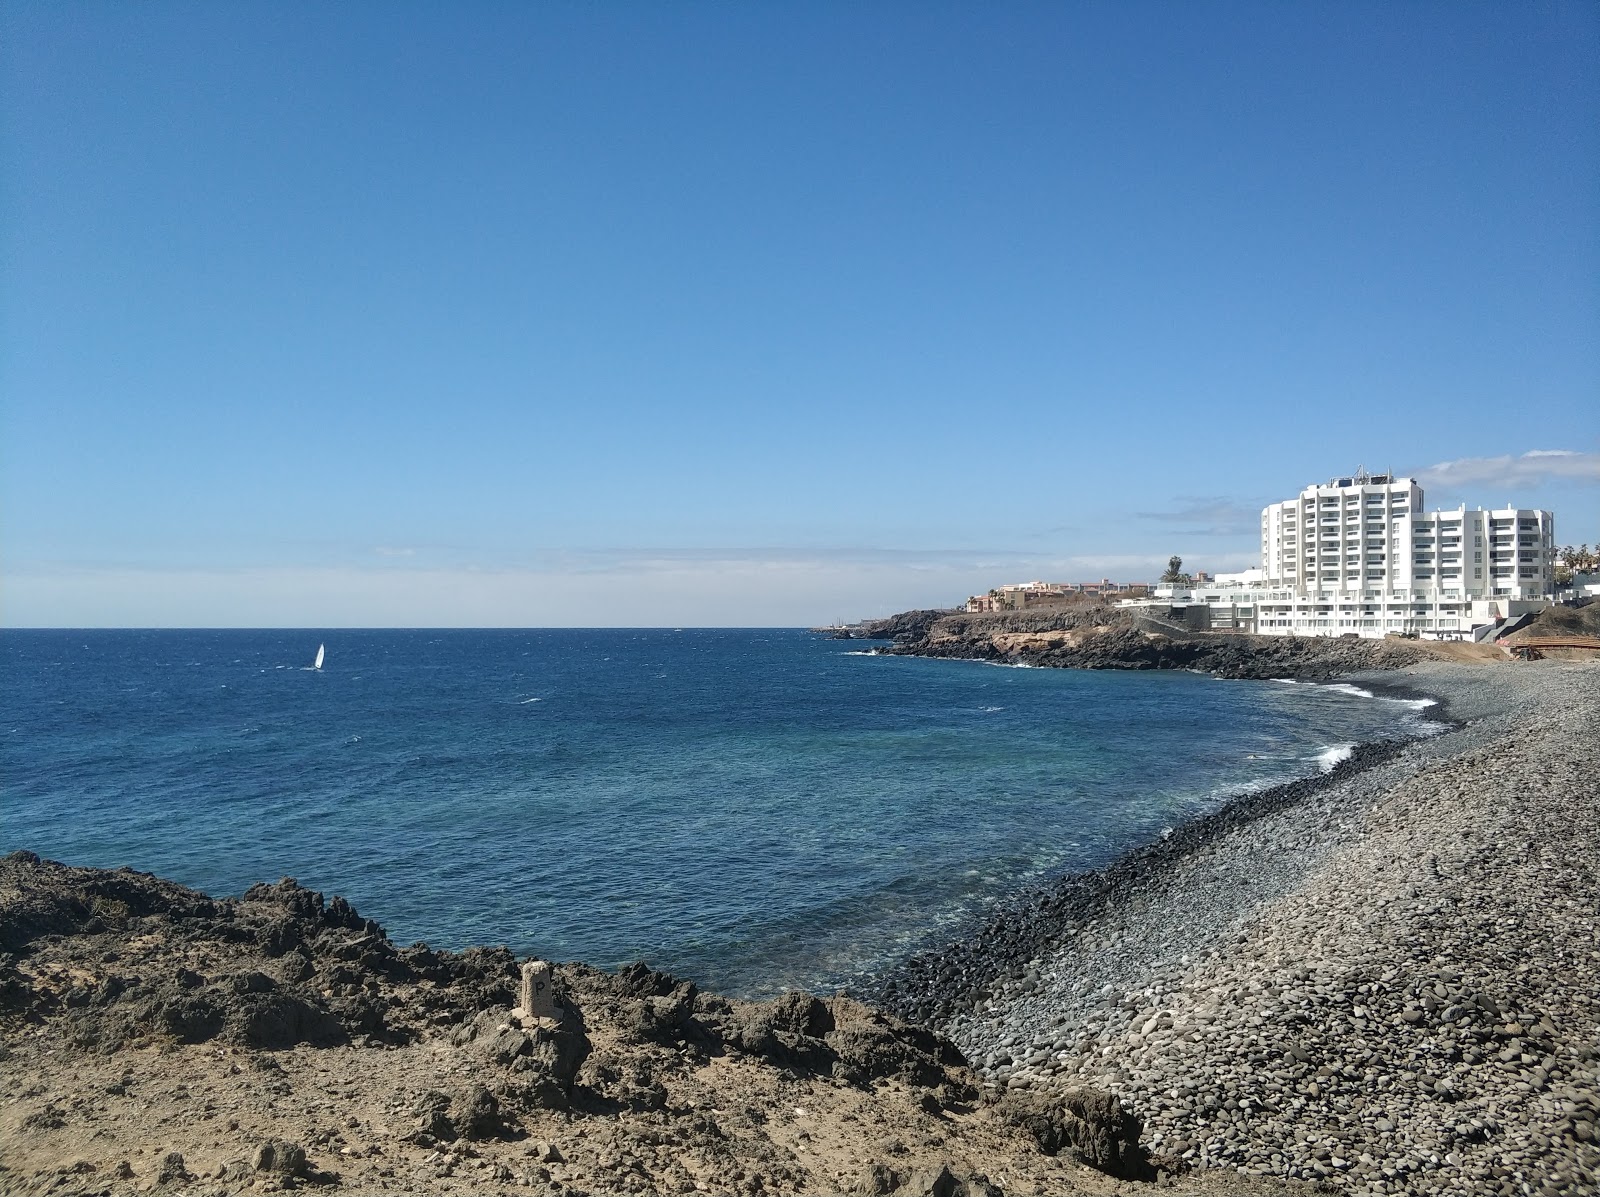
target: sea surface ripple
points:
(756, 809)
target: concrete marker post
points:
(538, 997)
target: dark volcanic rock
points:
(172, 1170)
(280, 1157)
(908, 626)
(851, 1041)
(788, 1029)
(431, 1112)
(561, 1052)
(1106, 637)
(475, 1114)
(1090, 1123)
(85, 899)
(304, 970)
(661, 1005)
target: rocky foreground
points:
(154, 1039)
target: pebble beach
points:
(1388, 982)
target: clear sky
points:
(765, 314)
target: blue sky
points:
(704, 313)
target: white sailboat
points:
(321, 652)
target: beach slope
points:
(1389, 982)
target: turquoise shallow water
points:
(756, 809)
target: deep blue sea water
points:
(755, 809)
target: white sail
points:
(321, 651)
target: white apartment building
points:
(1360, 555)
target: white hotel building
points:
(1360, 555)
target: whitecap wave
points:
(861, 652)
(526, 701)
(1347, 688)
(1415, 704)
(990, 710)
(1332, 757)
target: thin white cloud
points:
(1530, 469)
(1208, 515)
(384, 550)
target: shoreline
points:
(993, 948)
(1097, 979)
(1384, 978)
(931, 985)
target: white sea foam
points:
(989, 710)
(1347, 688)
(1330, 758)
(861, 652)
(1415, 704)
(526, 701)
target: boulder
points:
(883, 1180)
(506, 1046)
(560, 1052)
(1089, 1123)
(431, 1111)
(788, 1029)
(280, 1157)
(172, 1170)
(475, 1114)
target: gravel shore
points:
(1389, 983)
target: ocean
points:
(758, 810)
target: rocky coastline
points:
(1101, 636)
(1384, 980)
(155, 1039)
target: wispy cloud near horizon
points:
(1208, 515)
(618, 588)
(1533, 468)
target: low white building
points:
(1360, 555)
